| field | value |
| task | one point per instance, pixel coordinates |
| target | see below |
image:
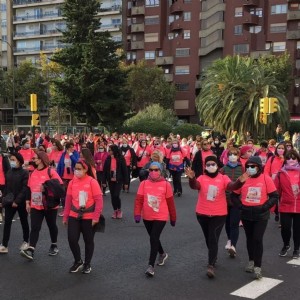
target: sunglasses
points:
(211, 165)
(251, 166)
(156, 144)
(155, 170)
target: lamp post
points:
(13, 78)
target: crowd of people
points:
(238, 185)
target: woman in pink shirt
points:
(211, 208)
(155, 202)
(100, 156)
(84, 204)
(55, 154)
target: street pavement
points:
(121, 256)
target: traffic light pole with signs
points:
(267, 106)
(35, 117)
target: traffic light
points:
(33, 102)
(264, 105)
(263, 118)
(35, 121)
(273, 105)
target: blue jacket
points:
(61, 164)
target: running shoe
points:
(86, 269)
(250, 267)
(3, 250)
(53, 250)
(295, 254)
(150, 271)
(210, 271)
(179, 194)
(162, 258)
(24, 246)
(257, 273)
(232, 251)
(114, 215)
(28, 253)
(119, 214)
(228, 245)
(284, 250)
(76, 267)
(61, 214)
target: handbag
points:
(100, 226)
(8, 199)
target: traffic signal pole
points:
(35, 117)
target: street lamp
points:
(13, 78)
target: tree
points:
(92, 83)
(147, 86)
(230, 96)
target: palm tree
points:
(230, 97)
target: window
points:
(278, 9)
(241, 48)
(151, 37)
(182, 87)
(151, 3)
(170, 36)
(152, 20)
(279, 46)
(186, 34)
(187, 16)
(3, 7)
(256, 11)
(238, 12)
(3, 23)
(182, 70)
(255, 29)
(182, 52)
(187, 1)
(238, 30)
(278, 27)
(7, 116)
(133, 55)
(160, 53)
(4, 38)
(149, 54)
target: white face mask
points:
(251, 171)
(79, 173)
(211, 169)
(232, 158)
(101, 149)
(125, 145)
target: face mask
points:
(251, 171)
(292, 162)
(125, 145)
(101, 149)
(13, 164)
(232, 158)
(175, 145)
(26, 146)
(217, 142)
(154, 175)
(143, 145)
(288, 147)
(78, 173)
(280, 151)
(211, 169)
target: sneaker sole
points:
(87, 272)
(163, 261)
(210, 274)
(26, 256)
(3, 252)
(77, 270)
(53, 254)
(149, 274)
(232, 253)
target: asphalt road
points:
(121, 256)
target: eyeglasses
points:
(211, 164)
(251, 166)
(155, 170)
(156, 144)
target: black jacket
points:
(197, 164)
(16, 182)
(5, 164)
(122, 173)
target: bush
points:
(187, 129)
(294, 127)
(149, 126)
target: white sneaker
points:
(228, 245)
(24, 246)
(1, 218)
(232, 251)
(3, 249)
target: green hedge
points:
(153, 127)
(187, 129)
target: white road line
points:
(256, 288)
(294, 262)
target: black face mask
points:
(33, 163)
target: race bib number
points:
(67, 163)
(212, 193)
(175, 158)
(153, 202)
(295, 188)
(36, 198)
(263, 159)
(253, 195)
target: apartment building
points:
(30, 27)
(185, 36)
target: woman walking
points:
(84, 204)
(155, 202)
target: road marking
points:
(256, 288)
(294, 262)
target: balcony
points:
(249, 19)
(111, 9)
(36, 33)
(250, 2)
(212, 10)
(293, 15)
(176, 7)
(49, 48)
(211, 47)
(257, 54)
(293, 35)
(211, 29)
(137, 27)
(137, 45)
(164, 60)
(176, 25)
(32, 18)
(137, 10)
(168, 77)
(30, 3)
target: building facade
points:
(185, 36)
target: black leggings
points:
(37, 217)
(128, 176)
(100, 177)
(154, 229)
(75, 227)
(176, 176)
(287, 219)
(232, 224)
(115, 190)
(9, 215)
(255, 231)
(211, 227)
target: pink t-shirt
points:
(35, 182)
(27, 155)
(155, 206)
(127, 157)
(55, 156)
(255, 190)
(145, 154)
(212, 196)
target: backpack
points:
(53, 192)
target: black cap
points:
(211, 158)
(254, 160)
(19, 157)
